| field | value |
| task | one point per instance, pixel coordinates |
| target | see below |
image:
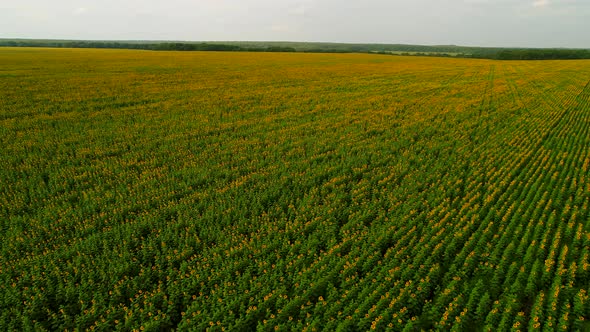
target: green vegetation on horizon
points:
(496, 53)
(288, 191)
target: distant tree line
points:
(390, 49)
(542, 54)
(154, 46)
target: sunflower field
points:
(151, 191)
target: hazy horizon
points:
(484, 23)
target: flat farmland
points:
(213, 191)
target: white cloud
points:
(300, 10)
(541, 3)
(280, 28)
(301, 7)
(80, 11)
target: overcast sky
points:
(527, 23)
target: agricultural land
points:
(144, 190)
